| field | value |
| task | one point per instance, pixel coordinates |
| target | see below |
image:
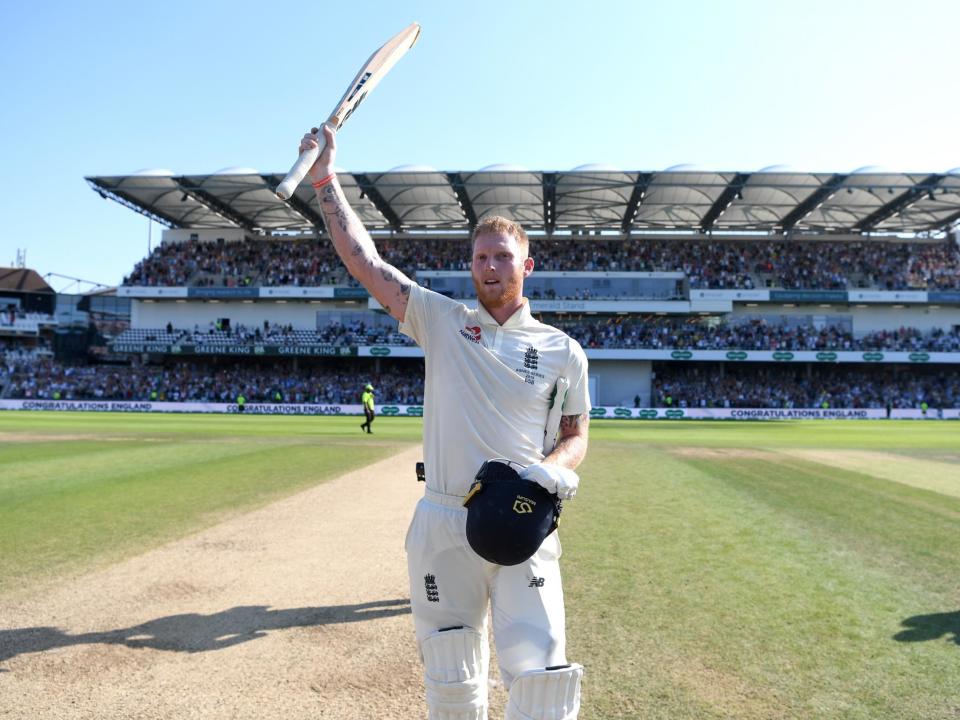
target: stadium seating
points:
(46, 379)
(641, 332)
(824, 265)
(766, 386)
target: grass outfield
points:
(712, 569)
(79, 490)
(794, 570)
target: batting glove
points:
(555, 479)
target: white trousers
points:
(450, 586)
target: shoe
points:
(362, 427)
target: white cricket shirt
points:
(488, 386)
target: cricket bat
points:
(370, 75)
(552, 428)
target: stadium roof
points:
(683, 198)
(22, 280)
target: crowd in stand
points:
(13, 352)
(663, 332)
(675, 385)
(239, 264)
(339, 334)
(10, 313)
(807, 265)
(49, 380)
(642, 332)
(16, 357)
(788, 387)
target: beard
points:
(506, 292)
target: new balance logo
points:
(433, 592)
(537, 582)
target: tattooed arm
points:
(556, 471)
(571, 441)
(350, 238)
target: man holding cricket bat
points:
(501, 387)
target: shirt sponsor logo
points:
(471, 333)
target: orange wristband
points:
(323, 181)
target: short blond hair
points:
(495, 224)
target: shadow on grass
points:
(931, 627)
(193, 632)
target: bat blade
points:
(370, 75)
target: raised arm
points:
(350, 238)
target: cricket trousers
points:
(450, 586)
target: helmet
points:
(369, 387)
(508, 518)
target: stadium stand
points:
(598, 332)
(812, 265)
(203, 382)
(688, 289)
(703, 386)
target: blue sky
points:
(103, 88)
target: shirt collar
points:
(520, 318)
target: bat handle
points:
(301, 167)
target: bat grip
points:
(301, 167)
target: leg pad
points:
(549, 694)
(455, 670)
